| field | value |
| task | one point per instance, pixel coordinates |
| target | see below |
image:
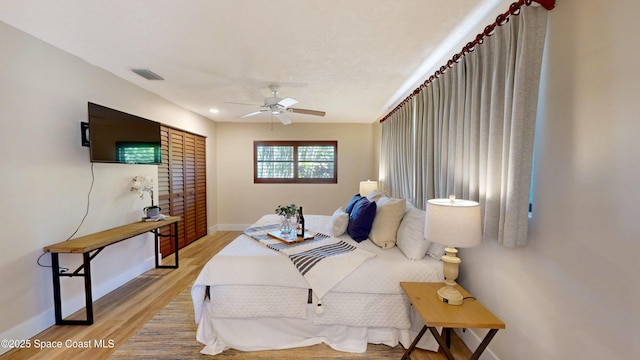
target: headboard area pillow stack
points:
(387, 222)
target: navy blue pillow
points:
(361, 219)
(352, 202)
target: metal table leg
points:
(157, 235)
(407, 353)
(483, 345)
(57, 296)
(442, 343)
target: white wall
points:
(46, 175)
(572, 292)
(241, 202)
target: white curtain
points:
(474, 129)
(397, 154)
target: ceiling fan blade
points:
(286, 102)
(237, 103)
(251, 114)
(283, 118)
(307, 112)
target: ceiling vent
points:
(147, 74)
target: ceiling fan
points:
(279, 106)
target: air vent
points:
(147, 74)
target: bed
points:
(251, 296)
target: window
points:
(295, 162)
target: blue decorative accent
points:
(351, 203)
(361, 219)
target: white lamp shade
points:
(453, 222)
(367, 186)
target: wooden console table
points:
(90, 246)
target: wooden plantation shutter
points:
(201, 187)
(189, 198)
(164, 186)
(182, 188)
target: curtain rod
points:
(514, 9)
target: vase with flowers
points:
(287, 214)
(142, 185)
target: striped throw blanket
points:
(323, 261)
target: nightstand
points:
(435, 313)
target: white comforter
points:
(249, 280)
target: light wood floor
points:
(121, 313)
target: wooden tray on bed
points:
(288, 239)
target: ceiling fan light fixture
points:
(278, 106)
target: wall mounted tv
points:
(118, 137)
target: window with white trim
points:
(295, 162)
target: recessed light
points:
(214, 111)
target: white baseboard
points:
(40, 322)
(29, 328)
(472, 340)
(78, 302)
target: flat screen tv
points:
(118, 137)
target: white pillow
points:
(375, 195)
(436, 250)
(409, 206)
(411, 234)
(389, 214)
(339, 222)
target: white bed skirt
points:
(268, 333)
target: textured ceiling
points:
(350, 58)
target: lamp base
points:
(450, 263)
(450, 295)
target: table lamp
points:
(454, 223)
(367, 186)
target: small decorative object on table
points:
(142, 184)
(300, 229)
(288, 213)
